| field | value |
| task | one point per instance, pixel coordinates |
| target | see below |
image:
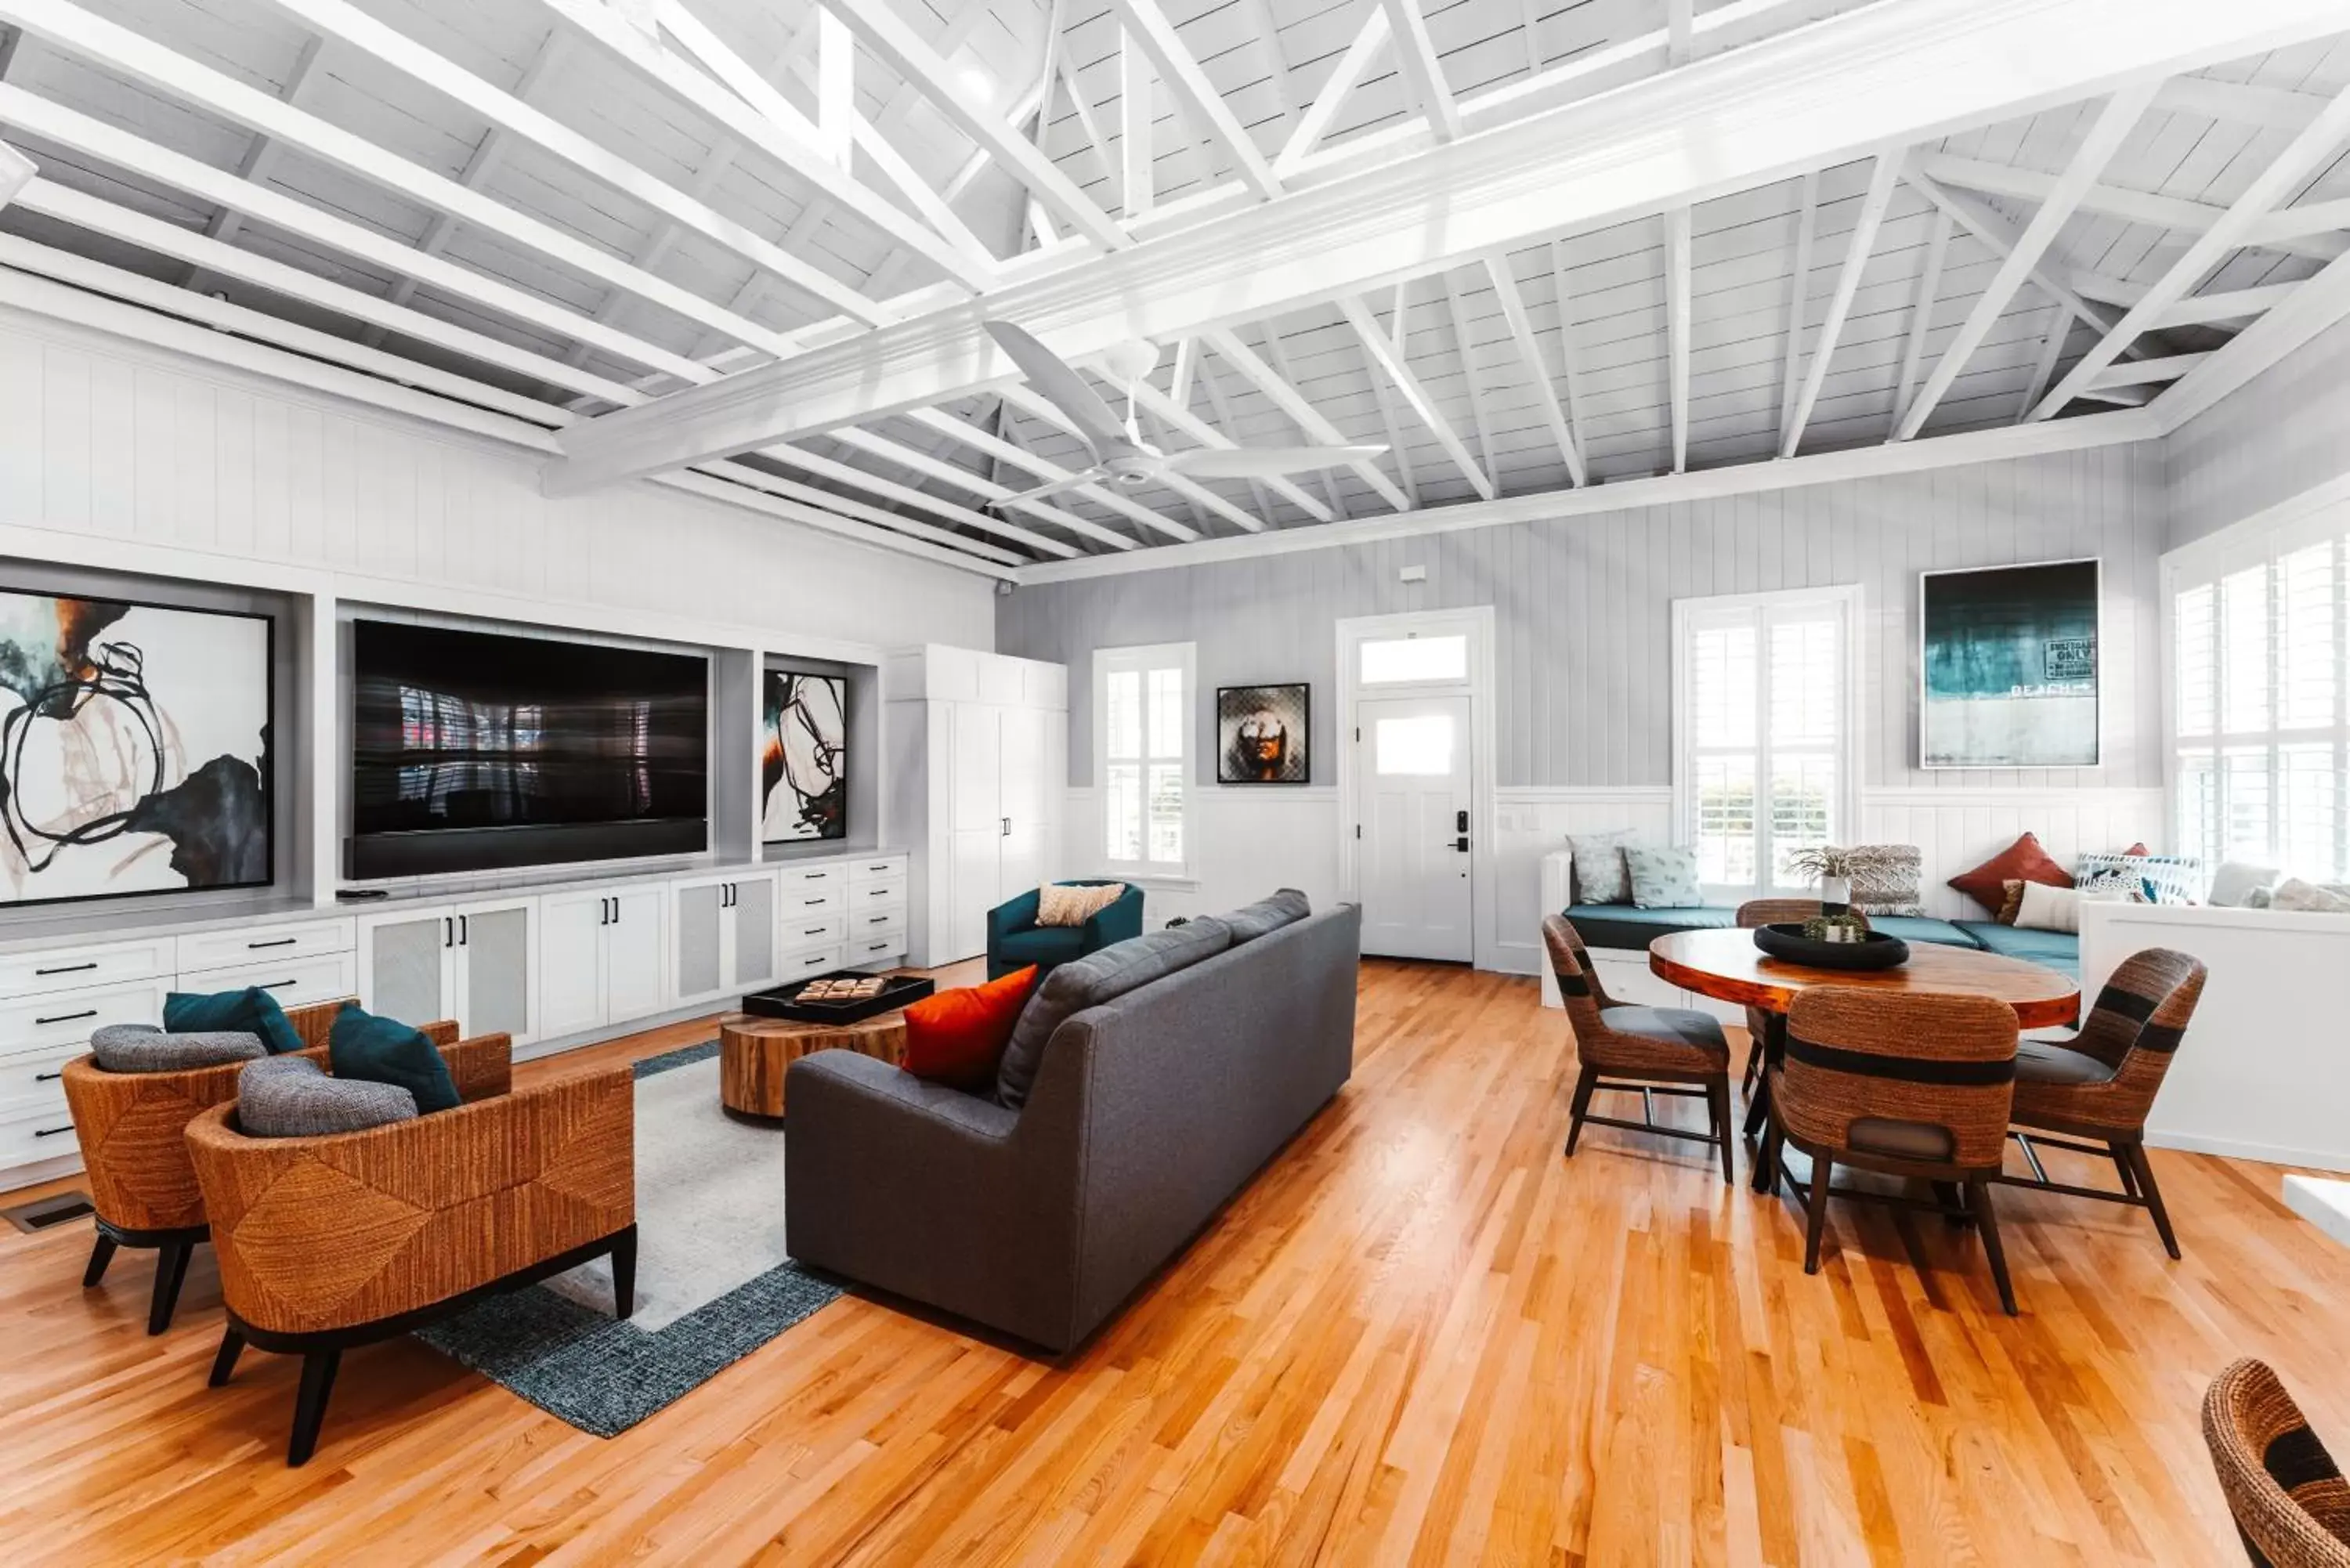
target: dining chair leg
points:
(1717, 1114)
(1767, 1160)
(101, 1252)
(1754, 1067)
(1823, 1167)
(2153, 1195)
(2122, 1164)
(1978, 1202)
(1582, 1104)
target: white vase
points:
(1835, 894)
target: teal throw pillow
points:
(252, 1010)
(375, 1049)
(1663, 878)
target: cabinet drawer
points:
(814, 961)
(94, 963)
(890, 894)
(295, 983)
(798, 901)
(819, 930)
(876, 949)
(68, 1018)
(32, 1083)
(881, 868)
(45, 1135)
(258, 944)
(867, 924)
(827, 877)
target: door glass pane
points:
(1415, 659)
(1122, 811)
(1167, 813)
(1421, 746)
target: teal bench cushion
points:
(2059, 950)
(1922, 929)
(1629, 926)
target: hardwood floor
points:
(1420, 1336)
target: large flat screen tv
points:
(471, 751)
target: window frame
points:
(1687, 614)
(1141, 658)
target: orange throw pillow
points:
(2022, 861)
(957, 1037)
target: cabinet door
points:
(973, 787)
(403, 964)
(976, 860)
(571, 927)
(701, 914)
(1021, 795)
(636, 955)
(497, 963)
(755, 933)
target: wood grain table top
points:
(1727, 966)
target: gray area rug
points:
(714, 1281)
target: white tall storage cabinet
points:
(979, 764)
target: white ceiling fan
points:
(1121, 457)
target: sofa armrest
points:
(847, 1092)
(1017, 913)
(1118, 920)
(483, 1066)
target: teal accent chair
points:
(1016, 940)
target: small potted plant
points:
(1843, 928)
(1836, 871)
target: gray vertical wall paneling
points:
(2277, 436)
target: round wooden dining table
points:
(1727, 966)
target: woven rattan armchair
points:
(1757, 912)
(1916, 1084)
(1648, 1050)
(330, 1243)
(2291, 1505)
(2099, 1085)
(131, 1128)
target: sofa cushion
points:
(252, 1010)
(1600, 876)
(143, 1048)
(1629, 926)
(291, 1099)
(1922, 929)
(377, 1050)
(2023, 860)
(1098, 977)
(1042, 945)
(2059, 950)
(1251, 922)
(1664, 876)
(958, 1036)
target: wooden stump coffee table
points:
(753, 1052)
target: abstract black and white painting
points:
(804, 758)
(2010, 667)
(135, 750)
(1261, 733)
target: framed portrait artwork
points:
(1263, 733)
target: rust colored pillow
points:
(2137, 848)
(2022, 861)
(957, 1037)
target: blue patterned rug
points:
(569, 1357)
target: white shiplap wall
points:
(112, 439)
(2281, 435)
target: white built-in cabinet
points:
(979, 762)
(722, 935)
(476, 962)
(603, 957)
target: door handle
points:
(448, 932)
(464, 930)
(1462, 844)
(1007, 829)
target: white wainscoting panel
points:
(1252, 840)
(1958, 829)
(1532, 820)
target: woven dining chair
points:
(2099, 1085)
(1648, 1050)
(1757, 912)
(2290, 1502)
(1913, 1084)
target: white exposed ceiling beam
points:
(1180, 417)
(1317, 431)
(1799, 285)
(1746, 116)
(1676, 329)
(1480, 417)
(836, 85)
(1882, 177)
(1922, 314)
(1006, 451)
(1094, 141)
(2144, 372)
(1399, 371)
(1020, 397)
(736, 485)
(934, 469)
(1145, 25)
(907, 496)
(2052, 349)
(849, 506)
(2288, 226)
(2271, 109)
(1370, 41)
(2136, 206)
(1276, 353)
(1522, 332)
(2314, 305)
(2229, 305)
(1424, 70)
(1999, 238)
(1137, 138)
(2272, 185)
(261, 158)
(1187, 369)
(1570, 369)
(2121, 111)
(1222, 409)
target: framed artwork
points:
(1262, 734)
(135, 749)
(2009, 666)
(804, 757)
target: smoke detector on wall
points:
(15, 172)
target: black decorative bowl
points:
(1875, 950)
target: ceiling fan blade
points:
(1067, 390)
(1074, 482)
(1265, 461)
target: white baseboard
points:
(2236, 1148)
(40, 1170)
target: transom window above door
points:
(1401, 660)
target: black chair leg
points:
(2120, 1152)
(1753, 1067)
(1767, 1160)
(1817, 1218)
(310, 1404)
(1978, 1203)
(101, 1252)
(2153, 1195)
(171, 1272)
(1717, 1115)
(624, 1273)
(1582, 1104)
(232, 1346)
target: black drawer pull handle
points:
(812, 903)
(877, 921)
(48, 1077)
(280, 984)
(66, 1017)
(814, 875)
(813, 931)
(878, 947)
(67, 968)
(52, 1132)
(280, 942)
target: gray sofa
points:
(1148, 1111)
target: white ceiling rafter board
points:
(1882, 178)
(2314, 305)
(1744, 118)
(1276, 355)
(1020, 397)
(1399, 371)
(1003, 452)
(2229, 305)
(262, 157)
(1875, 460)
(1799, 281)
(1522, 332)
(1147, 26)
(1422, 70)
(1289, 400)
(1371, 42)
(849, 506)
(907, 496)
(1175, 414)
(120, 147)
(2136, 206)
(1676, 327)
(120, 49)
(2119, 113)
(2270, 186)
(935, 467)
(2271, 108)
(2001, 237)
(1922, 314)
(738, 486)
(1220, 407)
(1480, 419)
(509, 113)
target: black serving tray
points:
(1875, 951)
(897, 991)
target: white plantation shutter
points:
(1765, 741)
(2261, 676)
(1141, 720)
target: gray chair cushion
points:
(143, 1048)
(1677, 1025)
(1251, 922)
(288, 1096)
(1098, 977)
(2045, 1061)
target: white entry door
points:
(1413, 860)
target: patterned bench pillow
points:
(2166, 878)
